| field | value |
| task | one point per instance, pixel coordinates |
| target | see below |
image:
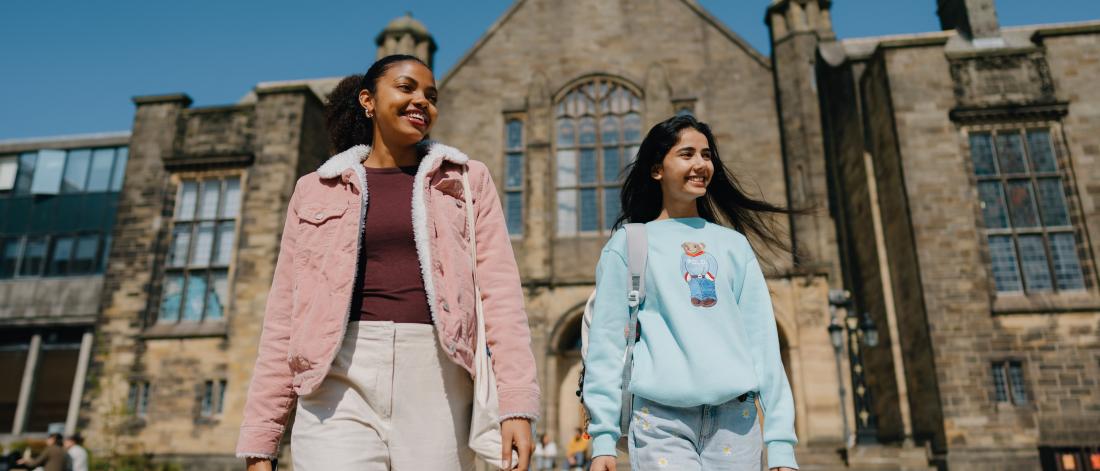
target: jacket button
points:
(452, 347)
(319, 216)
(445, 307)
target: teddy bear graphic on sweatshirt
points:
(699, 269)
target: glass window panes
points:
(207, 406)
(981, 152)
(567, 212)
(84, 256)
(194, 297)
(513, 202)
(589, 213)
(181, 242)
(34, 257)
(76, 170)
(99, 175)
(171, 297)
(1033, 260)
(9, 165)
(1000, 386)
(60, 255)
(221, 397)
(119, 172)
(1041, 151)
(1016, 380)
(1052, 202)
(202, 247)
(993, 207)
(1006, 272)
(1010, 153)
(208, 203)
(218, 297)
(1067, 268)
(1021, 204)
(137, 401)
(1026, 210)
(593, 145)
(224, 248)
(48, 170)
(567, 168)
(587, 166)
(10, 249)
(514, 135)
(611, 206)
(514, 175)
(185, 207)
(24, 177)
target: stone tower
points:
(797, 28)
(405, 35)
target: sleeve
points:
(507, 329)
(603, 365)
(270, 394)
(754, 301)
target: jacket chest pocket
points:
(318, 224)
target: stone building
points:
(58, 200)
(954, 176)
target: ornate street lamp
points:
(861, 332)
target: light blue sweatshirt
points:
(708, 334)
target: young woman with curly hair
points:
(370, 323)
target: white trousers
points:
(391, 402)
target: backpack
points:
(637, 250)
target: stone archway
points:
(564, 412)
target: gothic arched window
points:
(597, 132)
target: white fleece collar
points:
(433, 153)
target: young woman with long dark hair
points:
(708, 345)
(370, 323)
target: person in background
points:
(78, 456)
(546, 452)
(53, 458)
(577, 452)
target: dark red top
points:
(392, 288)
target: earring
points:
(368, 113)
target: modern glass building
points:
(58, 199)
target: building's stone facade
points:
(869, 132)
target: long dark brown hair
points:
(345, 119)
(724, 203)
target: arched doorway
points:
(567, 413)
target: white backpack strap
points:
(637, 250)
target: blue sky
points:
(71, 67)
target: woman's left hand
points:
(516, 434)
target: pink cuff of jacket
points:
(522, 403)
(258, 442)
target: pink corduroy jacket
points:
(308, 307)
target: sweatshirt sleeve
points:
(755, 304)
(603, 366)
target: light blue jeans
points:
(722, 437)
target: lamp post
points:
(836, 336)
(861, 331)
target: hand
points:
(603, 463)
(258, 464)
(516, 434)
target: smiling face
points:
(686, 169)
(402, 105)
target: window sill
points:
(1035, 303)
(186, 330)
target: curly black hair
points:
(345, 118)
